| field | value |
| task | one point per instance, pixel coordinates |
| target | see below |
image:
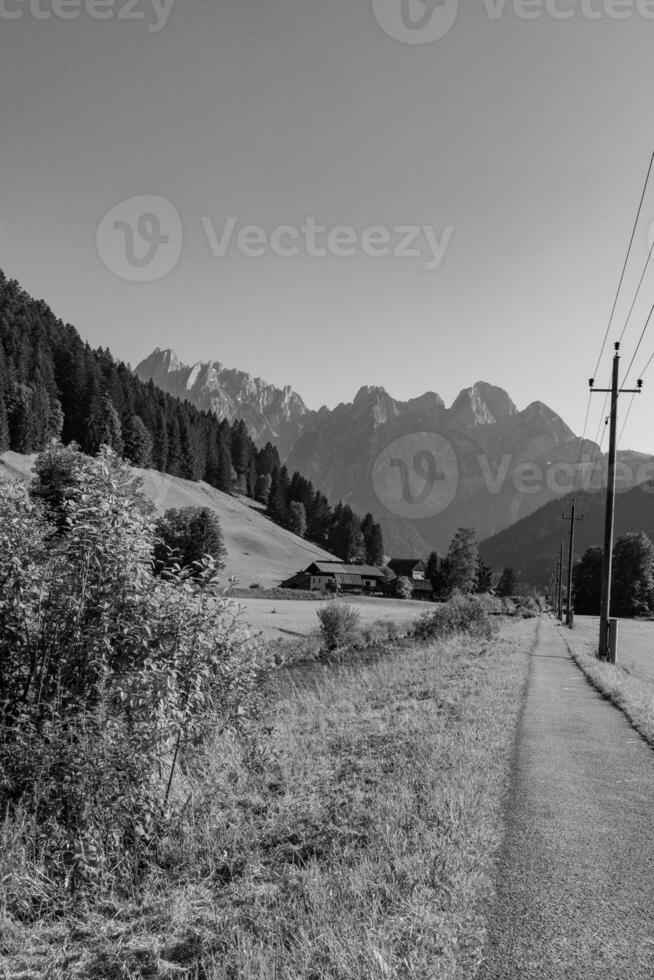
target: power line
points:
(626, 261)
(640, 340)
(599, 442)
(640, 283)
(632, 400)
(626, 419)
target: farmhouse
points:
(322, 575)
(414, 569)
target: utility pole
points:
(605, 651)
(559, 586)
(568, 615)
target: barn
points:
(321, 576)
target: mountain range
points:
(421, 468)
(271, 414)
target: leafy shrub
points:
(338, 623)
(460, 614)
(402, 587)
(109, 675)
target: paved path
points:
(575, 890)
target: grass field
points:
(353, 838)
(635, 642)
(297, 617)
(630, 682)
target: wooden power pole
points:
(569, 621)
(605, 651)
(559, 585)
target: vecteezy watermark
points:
(140, 239)
(426, 21)
(416, 21)
(416, 476)
(156, 12)
(340, 241)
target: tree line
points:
(462, 570)
(632, 585)
(53, 385)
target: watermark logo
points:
(157, 12)
(319, 241)
(416, 21)
(140, 239)
(416, 476)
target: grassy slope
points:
(356, 842)
(257, 549)
(629, 684)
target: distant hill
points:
(257, 550)
(530, 546)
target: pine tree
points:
(373, 540)
(277, 508)
(262, 488)
(20, 419)
(344, 538)
(4, 426)
(138, 442)
(319, 519)
(484, 580)
(461, 565)
(104, 426)
(508, 584)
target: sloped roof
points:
(349, 579)
(405, 566)
(300, 578)
(342, 568)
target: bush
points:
(460, 614)
(109, 675)
(338, 624)
(403, 588)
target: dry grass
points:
(298, 616)
(621, 683)
(354, 839)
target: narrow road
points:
(575, 888)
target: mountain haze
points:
(531, 546)
(508, 462)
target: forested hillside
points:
(54, 385)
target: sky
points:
(334, 194)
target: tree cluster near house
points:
(55, 386)
(461, 569)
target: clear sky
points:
(521, 144)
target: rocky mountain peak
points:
(483, 404)
(272, 414)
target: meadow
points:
(297, 617)
(351, 836)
